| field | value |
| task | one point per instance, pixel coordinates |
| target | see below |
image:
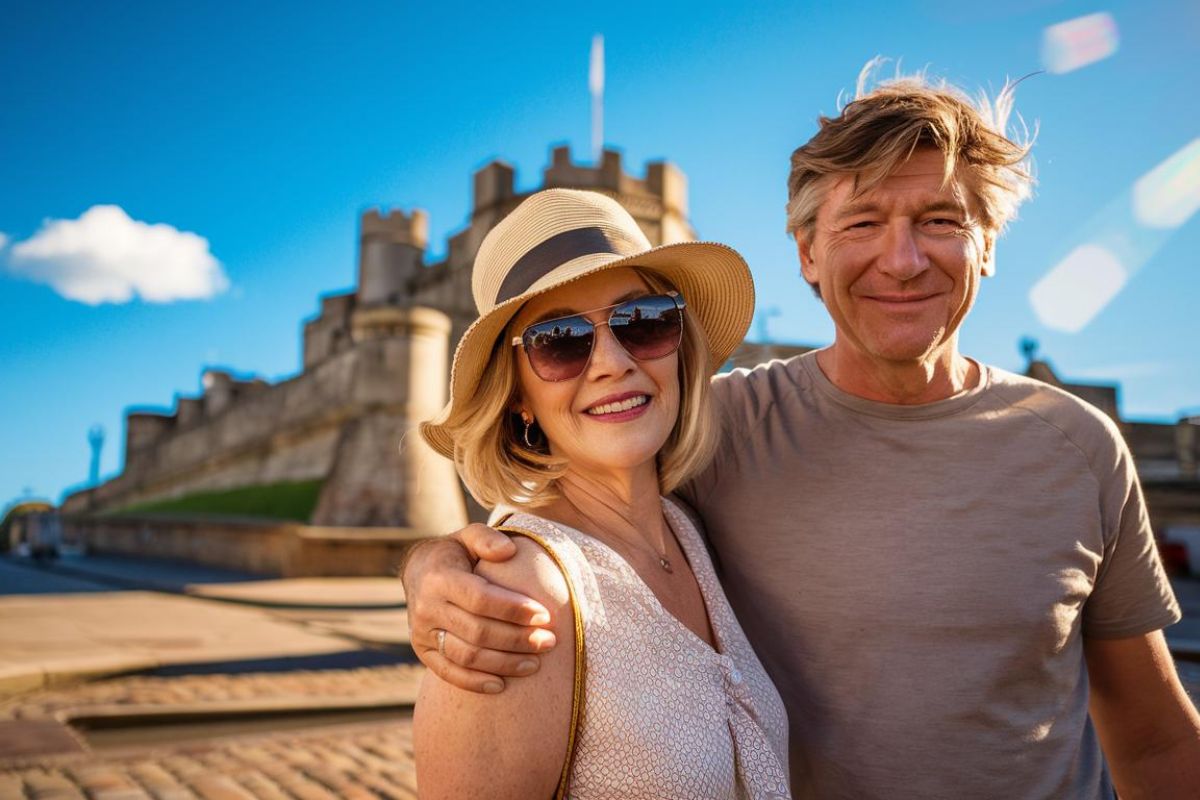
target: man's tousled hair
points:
(890, 119)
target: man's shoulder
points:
(762, 383)
(1081, 422)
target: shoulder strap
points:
(577, 694)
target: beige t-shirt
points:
(917, 579)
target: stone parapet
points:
(281, 549)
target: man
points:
(943, 566)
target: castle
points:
(375, 362)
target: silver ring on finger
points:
(441, 640)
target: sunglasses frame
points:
(674, 296)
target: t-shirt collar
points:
(939, 408)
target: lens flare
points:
(1078, 288)
(1118, 242)
(1168, 195)
(1078, 42)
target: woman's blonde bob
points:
(497, 466)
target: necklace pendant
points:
(665, 564)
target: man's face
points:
(898, 267)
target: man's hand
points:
(490, 631)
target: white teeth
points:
(624, 405)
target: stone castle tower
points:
(375, 362)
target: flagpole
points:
(596, 86)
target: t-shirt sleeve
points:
(728, 391)
(1132, 595)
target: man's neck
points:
(927, 380)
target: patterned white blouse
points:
(664, 714)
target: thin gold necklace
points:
(660, 554)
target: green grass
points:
(286, 501)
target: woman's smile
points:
(619, 407)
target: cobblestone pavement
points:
(355, 761)
(392, 684)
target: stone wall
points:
(288, 433)
(285, 550)
(342, 422)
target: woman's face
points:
(617, 414)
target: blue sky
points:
(267, 127)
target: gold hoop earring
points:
(528, 424)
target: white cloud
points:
(3, 240)
(107, 257)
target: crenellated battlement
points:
(391, 250)
(662, 191)
(396, 227)
(663, 180)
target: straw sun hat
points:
(561, 235)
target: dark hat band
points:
(558, 250)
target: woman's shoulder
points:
(533, 572)
(512, 744)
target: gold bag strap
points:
(577, 694)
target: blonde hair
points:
(498, 468)
(881, 128)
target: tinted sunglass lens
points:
(558, 350)
(648, 328)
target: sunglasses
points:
(646, 328)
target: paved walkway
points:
(89, 629)
(51, 639)
(95, 631)
(362, 760)
(366, 762)
(373, 686)
(328, 593)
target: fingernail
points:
(526, 667)
(493, 687)
(540, 618)
(543, 640)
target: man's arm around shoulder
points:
(489, 633)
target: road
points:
(18, 579)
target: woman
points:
(579, 398)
